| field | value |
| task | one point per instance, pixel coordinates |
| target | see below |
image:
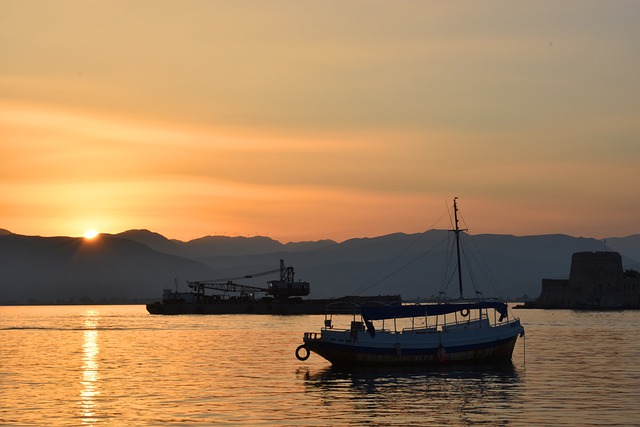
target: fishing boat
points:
(460, 331)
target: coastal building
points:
(596, 280)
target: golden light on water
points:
(90, 369)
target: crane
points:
(282, 289)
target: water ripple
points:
(117, 365)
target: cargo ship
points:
(280, 297)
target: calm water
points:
(118, 365)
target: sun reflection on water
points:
(90, 369)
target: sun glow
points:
(90, 234)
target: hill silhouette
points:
(49, 269)
(138, 264)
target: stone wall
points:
(596, 280)
(555, 293)
(596, 272)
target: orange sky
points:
(309, 120)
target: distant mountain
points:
(308, 246)
(59, 268)
(140, 263)
(629, 246)
(155, 241)
(414, 264)
(209, 246)
(4, 232)
(223, 245)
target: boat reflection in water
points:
(420, 395)
(90, 369)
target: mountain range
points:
(136, 265)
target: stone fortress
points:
(596, 281)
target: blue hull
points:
(346, 354)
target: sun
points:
(90, 234)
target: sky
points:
(307, 120)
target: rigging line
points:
(450, 251)
(484, 267)
(451, 265)
(465, 256)
(449, 273)
(471, 272)
(401, 268)
(483, 264)
(469, 257)
(448, 281)
(391, 261)
(447, 265)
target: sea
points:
(120, 366)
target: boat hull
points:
(345, 305)
(342, 356)
(494, 346)
(308, 307)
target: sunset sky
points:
(304, 120)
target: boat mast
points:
(457, 232)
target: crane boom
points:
(224, 287)
(284, 288)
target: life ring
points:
(464, 312)
(306, 356)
